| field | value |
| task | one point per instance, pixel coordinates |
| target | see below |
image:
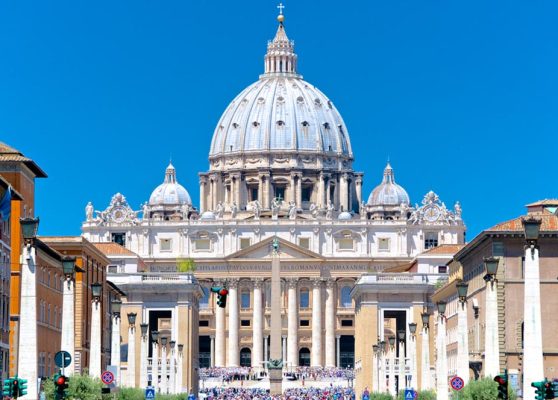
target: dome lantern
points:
(388, 193)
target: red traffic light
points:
(16, 382)
(501, 381)
(61, 380)
(223, 292)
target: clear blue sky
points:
(461, 96)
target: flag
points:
(6, 204)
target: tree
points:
(483, 389)
(185, 265)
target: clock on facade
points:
(118, 214)
(432, 213)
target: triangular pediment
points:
(264, 250)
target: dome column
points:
(299, 189)
(344, 192)
(203, 193)
(358, 187)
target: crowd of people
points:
(229, 374)
(330, 393)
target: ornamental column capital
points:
(292, 282)
(330, 283)
(258, 283)
(233, 283)
(316, 282)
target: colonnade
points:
(226, 353)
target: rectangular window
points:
(304, 322)
(346, 244)
(165, 244)
(245, 299)
(442, 269)
(119, 238)
(244, 322)
(304, 242)
(244, 243)
(383, 244)
(346, 322)
(306, 193)
(304, 298)
(253, 191)
(204, 322)
(430, 240)
(202, 244)
(498, 249)
(280, 192)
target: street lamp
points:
(172, 344)
(441, 307)
(391, 341)
(531, 228)
(401, 335)
(29, 227)
(425, 319)
(180, 348)
(144, 328)
(116, 307)
(155, 336)
(132, 318)
(69, 266)
(164, 341)
(413, 328)
(462, 288)
(96, 290)
(491, 266)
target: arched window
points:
(346, 300)
(304, 357)
(304, 298)
(245, 357)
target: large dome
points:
(281, 113)
(170, 192)
(388, 193)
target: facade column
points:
(532, 330)
(233, 324)
(292, 322)
(267, 193)
(219, 337)
(292, 190)
(164, 387)
(266, 351)
(172, 372)
(330, 324)
(284, 348)
(338, 350)
(131, 372)
(68, 329)
(212, 351)
(299, 190)
(27, 349)
(343, 192)
(462, 342)
(203, 194)
(257, 334)
(328, 192)
(155, 364)
(358, 189)
(144, 349)
(491, 342)
(413, 358)
(402, 373)
(316, 359)
(95, 349)
(321, 191)
(425, 383)
(115, 346)
(441, 360)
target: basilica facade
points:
(280, 166)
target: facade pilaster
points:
(257, 334)
(292, 322)
(330, 324)
(316, 357)
(234, 354)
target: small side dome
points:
(345, 216)
(170, 192)
(207, 216)
(388, 193)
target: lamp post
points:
(115, 339)
(132, 349)
(491, 342)
(27, 353)
(532, 329)
(462, 334)
(155, 360)
(391, 341)
(402, 381)
(441, 359)
(172, 373)
(179, 369)
(95, 350)
(164, 382)
(144, 344)
(68, 334)
(425, 383)
(413, 354)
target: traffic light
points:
(15, 388)
(502, 381)
(554, 386)
(548, 390)
(61, 383)
(539, 389)
(221, 295)
(7, 390)
(22, 386)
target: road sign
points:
(457, 383)
(150, 393)
(62, 359)
(107, 377)
(410, 394)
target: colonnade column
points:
(441, 360)
(425, 356)
(392, 367)
(172, 372)
(330, 324)
(316, 359)
(212, 351)
(233, 324)
(164, 383)
(143, 354)
(284, 349)
(257, 338)
(338, 350)
(219, 337)
(292, 322)
(266, 351)
(155, 360)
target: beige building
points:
(504, 241)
